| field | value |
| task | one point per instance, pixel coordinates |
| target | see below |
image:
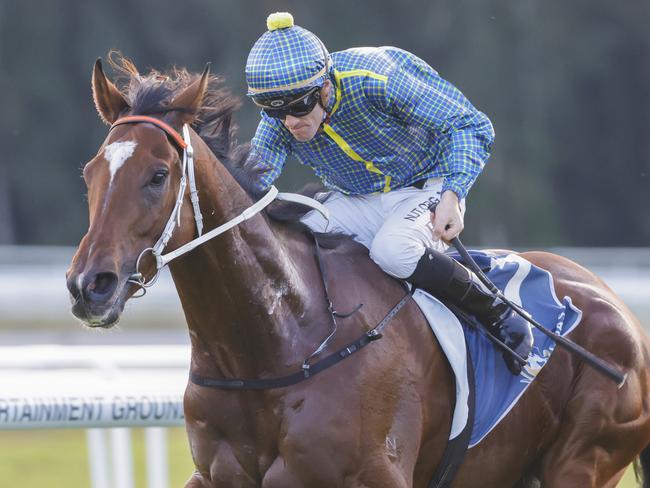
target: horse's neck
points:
(243, 293)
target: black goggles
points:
(296, 106)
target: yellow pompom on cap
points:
(279, 20)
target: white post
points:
(157, 457)
(98, 458)
(98, 388)
(122, 457)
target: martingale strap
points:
(299, 376)
(308, 369)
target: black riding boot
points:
(449, 280)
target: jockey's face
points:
(304, 128)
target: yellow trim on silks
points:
(363, 72)
(337, 84)
(292, 86)
(352, 154)
(339, 75)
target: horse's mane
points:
(153, 94)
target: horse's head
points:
(132, 184)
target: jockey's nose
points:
(290, 121)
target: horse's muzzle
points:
(93, 297)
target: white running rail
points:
(99, 388)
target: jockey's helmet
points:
(286, 62)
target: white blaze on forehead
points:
(116, 154)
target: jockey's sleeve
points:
(417, 95)
(269, 149)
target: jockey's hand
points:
(447, 220)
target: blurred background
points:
(566, 84)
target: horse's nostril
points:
(102, 286)
(71, 283)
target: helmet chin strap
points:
(326, 114)
(326, 119)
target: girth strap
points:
(308, 369)
(313, 369)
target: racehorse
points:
(253, 300)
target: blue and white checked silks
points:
(286, 60)
(393, 121)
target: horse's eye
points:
(158, 178)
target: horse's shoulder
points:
(349, 262)
(352, 258)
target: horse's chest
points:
(267, 443)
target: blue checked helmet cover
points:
(286, 59)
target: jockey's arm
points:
(269, 150)
(417, 95)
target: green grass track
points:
(59, 459)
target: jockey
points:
(389, 138)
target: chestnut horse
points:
(253, 300)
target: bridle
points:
(308, 369)
(184, 144)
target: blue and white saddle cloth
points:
(496, 389)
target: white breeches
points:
(394, 226)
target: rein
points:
(308, 370)
(183, 143)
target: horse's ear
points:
(189, 100)
(108, 99)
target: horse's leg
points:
(613, 481)
(383, 474)
(585, 475)
(602, 431)
(377, 449)
(196, 481)
(586, 467)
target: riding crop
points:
(589, 358)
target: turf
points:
(58, 459)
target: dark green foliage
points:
(567, 85)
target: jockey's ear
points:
(110, 103)
(326, 92)
(189, 100)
